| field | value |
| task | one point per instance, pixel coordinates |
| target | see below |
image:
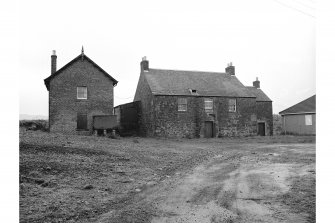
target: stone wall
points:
(264, 114)
(239, 123)
(63, 102)
(144, 95)
(173, 123)
(169, 122)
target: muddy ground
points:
(96, 179)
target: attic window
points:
(81, 92)
(193, 91)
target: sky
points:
(273, 40)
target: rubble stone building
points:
(176, 103)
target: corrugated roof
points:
(47, 80)
(306, 106)
(260, 95)
(179, 82)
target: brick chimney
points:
(144, 64)
(230, 69)
(256, 83)
(53, 62)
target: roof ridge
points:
(198, 71)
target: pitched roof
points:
(306, 106)
(47, 80)
(179, 82)
(260, 95)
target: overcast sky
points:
(273, 40)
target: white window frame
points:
(232, 108)
(209, 104)
(182, 104)
(308, 120)
(84, 96)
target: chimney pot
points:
(144, 64)
(230, 69)
(53, 62)
(256, 83)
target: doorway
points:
(261, 129)
(208, 129)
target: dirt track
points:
(239, 189)
(256, 185)
(159, 180)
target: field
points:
(97, 179)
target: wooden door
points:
(82, 121)
(261, 129)
(208, 129)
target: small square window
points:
(81, 92)
(208, 105)
(182, 104)
(308, 120)
(232, 105)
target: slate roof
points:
(178, 82)
(260, 95)
(306, 106)
(47, 80)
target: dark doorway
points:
(208, 129)
(261, 129)
(82, 121)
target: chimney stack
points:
(256, 83)
(144, 64)
(230, 69)
(53, 62)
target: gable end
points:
(47, 80)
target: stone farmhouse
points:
(79, 92)
(300, 119)
(176, 103)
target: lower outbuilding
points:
(300, 119)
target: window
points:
(193, 91)
(232, 105)
(308, 119)
(208, 105)
(82, 121)
(81, 92)
(182, 104)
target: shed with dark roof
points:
(300, 118)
